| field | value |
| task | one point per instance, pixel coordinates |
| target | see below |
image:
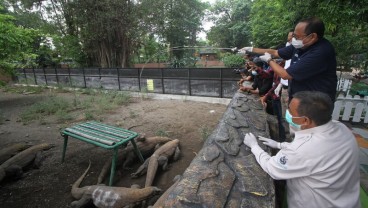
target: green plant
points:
(133, 114)
(358, 88)
(89, 115)
(122, 98)
(63, 115)
(233, 61)
(24, 89)
(41, 109)
(205, 132)
(162, 133)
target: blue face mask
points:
(254, 73)
(289, 119)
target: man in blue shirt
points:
(313, 59)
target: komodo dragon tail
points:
(76, 193)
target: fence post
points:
(44, 74)
(25, 76)
(189, 83)
(57, 77)
(221, 91)
(84, 78)
(34, 76)
(70, 78)
(162, 81)
(117, 72)
(139, 80)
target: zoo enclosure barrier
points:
(209, 82)
(349, 107)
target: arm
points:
(286, 164)
(273, 52)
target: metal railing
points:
(209, 82)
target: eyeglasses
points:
(299, 38)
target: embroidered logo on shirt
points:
(283, 160)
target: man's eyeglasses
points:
(300, 38)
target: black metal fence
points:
(209, 82)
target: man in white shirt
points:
(321, 164)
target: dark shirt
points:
(263, 81)
(275, 83)
(312, 69)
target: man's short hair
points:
(315, 105)
(314, 25)
(258, 62)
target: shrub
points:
(234, 61)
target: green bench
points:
(102, 135)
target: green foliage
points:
(231, 28)
(233, 61)
(15, 44)
(270, 22)
(359, 88)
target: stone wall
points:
(225, 172)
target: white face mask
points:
(297, 43)
(287, 44)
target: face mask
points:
(297, 43)
(254, 73)
(289, 119)
(287, 44)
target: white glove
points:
(277, 90)
(270, 142)
(234, 49)
(266, 57)
(247, 49)
(250, 140)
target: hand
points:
(266, 57)
(270, 142)
(277, 90)
(247, 49)
(234, 49)
(250, 140)
(263, 101)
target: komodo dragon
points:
(160, 201)
(107, 196)
(159, 157)
(23, 158)
(12, 150)
(145, 145)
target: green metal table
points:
(102, 135)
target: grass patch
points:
(24, 89)
(162, 133)
(45, 108)
(204, 132)
(91, 105)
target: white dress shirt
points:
(321, 166)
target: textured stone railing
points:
(225, 172)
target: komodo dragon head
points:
(106, 196)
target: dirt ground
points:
(50, 185)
